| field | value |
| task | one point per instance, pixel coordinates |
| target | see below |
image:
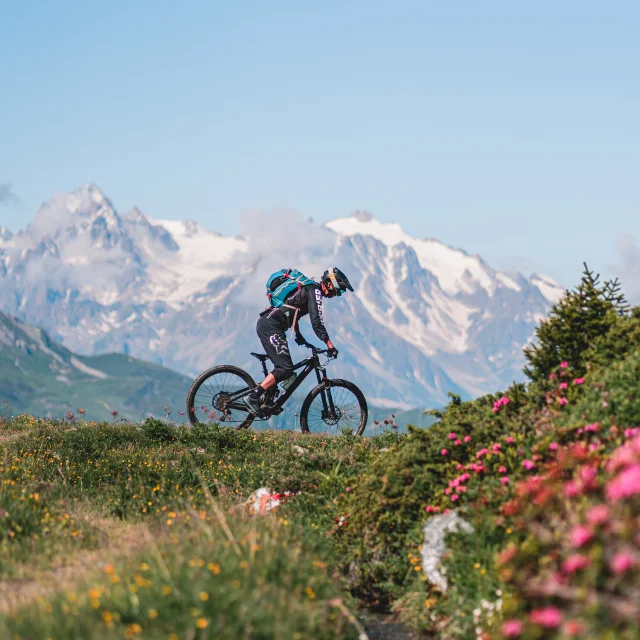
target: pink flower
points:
(580, 535)
(549, 617)
(432, 509)
(444, 452)
(553, 446)
(459, 466)
(482, 452)
(496, 448)
(512, 628)
(587, 475)
(452, 436)
(625, 485)
(458, 442)
(563, 401)
(575, 562)
(447, 490)
(552, 376)
(622, 562)
(592, 427)
(504, 480)
(528, 464)
(624, 456)
(572, 489)
(599, 514)
(578, 381)
(467, 438)
(510, 440)
(564, 365)
(502, 469)
(454, 497)
(502, 402)
(563, 385)
(573, 628)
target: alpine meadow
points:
(319, 321)
(513, 515)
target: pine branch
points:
(612, 293)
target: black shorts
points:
(271, 331)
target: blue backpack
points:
(284, 282)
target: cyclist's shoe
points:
(253, 403)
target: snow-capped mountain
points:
(425, 318)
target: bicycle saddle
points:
(261, 356)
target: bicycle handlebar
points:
(315, 350)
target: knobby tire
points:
(337, 383)
(206, 376)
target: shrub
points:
(575, 325)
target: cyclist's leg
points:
(274, 342)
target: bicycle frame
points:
(309, 365)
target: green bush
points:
(575, 325)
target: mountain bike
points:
(331, 406)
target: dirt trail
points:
(120, 539)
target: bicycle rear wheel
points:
(212, 397)
(334, 405)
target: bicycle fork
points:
(328, 407)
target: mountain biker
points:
(274, 322)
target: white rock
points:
(433, 548)
(300, 450)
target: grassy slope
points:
(190, 561)
(198, 565)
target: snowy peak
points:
(85, 209)
(362, 216)
(136, 216)
(457, 272)
(425, 318)
(151, 236)
(549, 288)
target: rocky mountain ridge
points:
(425, 318)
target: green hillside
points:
(40, 377)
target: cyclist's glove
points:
(300, 339)
(333, 352)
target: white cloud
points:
(7, 195)
(628, 269)
(280, 239)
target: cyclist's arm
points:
(299, 337)
(315, 314)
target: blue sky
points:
(505, 128)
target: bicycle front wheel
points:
(334, 406)
(213, 397)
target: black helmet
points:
(334, 278)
